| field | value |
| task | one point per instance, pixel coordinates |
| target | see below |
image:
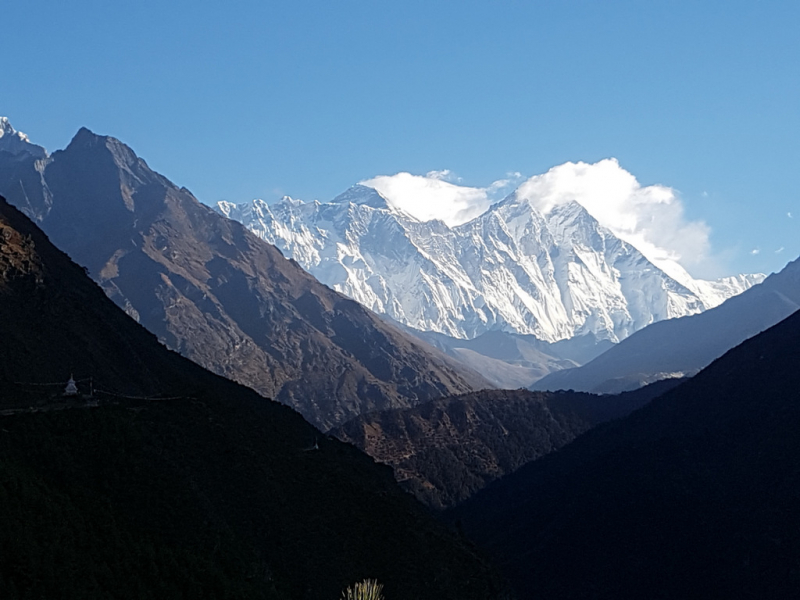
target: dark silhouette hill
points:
(217, 294)
(684, 346)
(445, 450)
(173, 482)
(695, 495)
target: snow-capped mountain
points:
(514, 268)
(15, 142)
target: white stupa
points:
(71, 389)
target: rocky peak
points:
(551, 274)
(86, 141)
(17, 143)
(5, 127)
(364, 196)
(213, 291)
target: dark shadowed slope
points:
(212, 493)
(688, 344)
(49, 316)
(217, 294)
(445, 450)
(695, 495)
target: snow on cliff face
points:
(15, 142)
(513, 268)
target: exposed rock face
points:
(218, 294)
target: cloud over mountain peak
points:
(649, 217)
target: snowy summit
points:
(16, 142)
(534, 263)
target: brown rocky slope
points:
(446, 450)
(195, 487)
(217, 294)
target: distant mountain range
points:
(694, 495)
(213, 291)
(172, 482)
(681, 347)
(512, 360)
(514, 269)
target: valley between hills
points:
(279, 401)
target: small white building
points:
(71, 389)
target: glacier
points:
(555, 275)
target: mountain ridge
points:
(216, 293)
(15, 142)
(692, 495)
(444, 451)
(172, 482)
(685, 345)
(512, 268)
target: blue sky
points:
(243, 99)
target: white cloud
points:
(788, 214)
(779, 250)
(432, 197)
(503, 186)
(651, 218)
(444, 175)
(755, 251)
